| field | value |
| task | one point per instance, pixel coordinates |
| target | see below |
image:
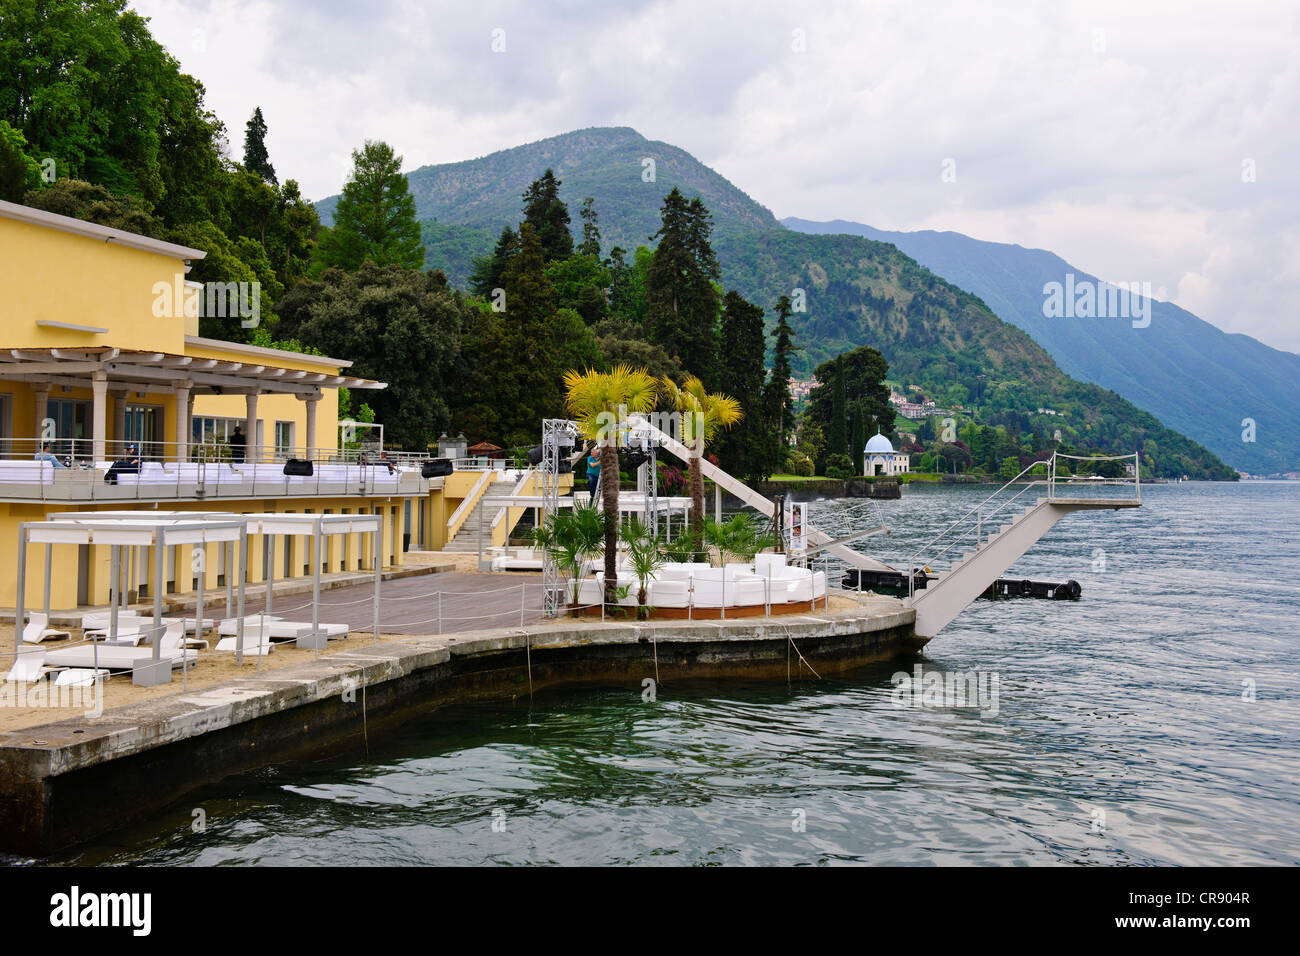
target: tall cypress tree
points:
(776, 394)
(859, 434)
(549, 216)
(590, 245)
(682, 302)
(743, 448)
(837, 442)
(256, 158)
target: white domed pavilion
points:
(879, 457)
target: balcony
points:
(66, 472)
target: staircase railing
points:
(971, 524)
(465, 507)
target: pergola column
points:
(99, 414)
(182, 420)
(310, 441)
(119, 414)
(250, 426)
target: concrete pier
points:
(71, 781)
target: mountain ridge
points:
(1194, 376)
(858, 291)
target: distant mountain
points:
(857, 291)
(1194, 377)
(609, 164)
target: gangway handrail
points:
(919, 554)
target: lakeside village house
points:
(107, 405)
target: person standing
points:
(593, 471)
(238, 444)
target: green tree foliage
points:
(590, 245)
(514, 361)
(836, 424)
(549, 217)
(397, 326)
(744, 449)
(91, 203)
(375, 216)
(778, 406)
(681, 298)
(859, 440)
(627, 286)
(256, 158)
(18, 171)
(488, 270)
(580, 282)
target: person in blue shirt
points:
(593, 471)
(46, 455)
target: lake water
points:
(1125, 732)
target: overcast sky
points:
(1124, 142)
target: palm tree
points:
(597, 400)
(702, 414)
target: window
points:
(284, 444)
(210, 436)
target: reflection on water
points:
(1122, 734)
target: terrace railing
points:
(66, 471)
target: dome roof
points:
(879, 443)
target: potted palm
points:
(571, 539)
(738, 537)
(645, 553)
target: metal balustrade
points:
(65, 470)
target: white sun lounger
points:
(256, 640)
(281, 630)
(29, 667)
(38, 629)
(115, 657)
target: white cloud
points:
(1112, 137)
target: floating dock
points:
(75, 780)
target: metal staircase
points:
(475, 533)
(987, 556)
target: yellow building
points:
(109, 399)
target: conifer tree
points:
(681, 299)
(488, 270)
(779, 407)
(375, 215)
(743, 451)
(256, 158)
(590, 229)
(549, 217)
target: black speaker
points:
(535, 455)
(566, 466)
(635, 459)
(436, 468)
(298, 466)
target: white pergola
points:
(140, 530)
(316, 527)
(117, 372)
